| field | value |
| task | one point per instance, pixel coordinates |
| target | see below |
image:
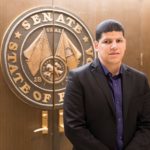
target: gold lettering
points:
(78, 28)
(18, 77)
(47, 17)
(46, 98)
(89, 51)
(71, 21)
(61, 96)
(25, 88)
(37, 95)
(13, 46)
(12, 57)
(36, 19)
(61, 19)
(26, 25)
(58, 30)
(49, 29)
(12, 68)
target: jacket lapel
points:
(126, 85)
(102, 82)
(103, 85)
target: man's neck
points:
(112, 68)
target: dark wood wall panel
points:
(145, 36)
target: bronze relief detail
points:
(38, 50)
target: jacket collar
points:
(96, 64)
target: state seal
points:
(38, 50)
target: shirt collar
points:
(106, 72)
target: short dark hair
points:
(108, 26)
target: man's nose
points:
(114, 45)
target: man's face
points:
(111, 48)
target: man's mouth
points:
(114, 53)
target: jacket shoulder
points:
(134, 71)
(81, 69)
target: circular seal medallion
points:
(53, 72)
(38, 50)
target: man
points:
(107, 103)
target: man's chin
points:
(115, 62)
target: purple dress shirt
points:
(115, 84)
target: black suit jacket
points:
(89, 112)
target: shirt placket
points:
(118, 107)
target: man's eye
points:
(119, 41)
(107, 42)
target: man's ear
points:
(96, 45)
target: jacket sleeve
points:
(141, 139)
(75, 118)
